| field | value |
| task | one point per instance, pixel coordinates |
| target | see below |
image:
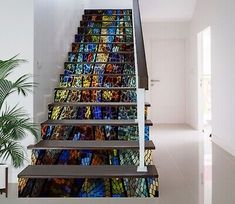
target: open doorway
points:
(204, 76)
(204, 114)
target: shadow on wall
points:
(55, 24)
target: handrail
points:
(142, 82)
(140, 50)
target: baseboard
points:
(223, 144)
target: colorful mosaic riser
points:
(98, 113)
(102, 56)
(108, 24)
(94, 47)
(101, 69)
(97, 81)
(109, 32)
(94, 96)
(92, 132)
(118, 20)
(126, 187)
(88, 157)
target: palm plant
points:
(14, 122)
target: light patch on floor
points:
(176, 158)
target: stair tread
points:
(105, 27)
(99, 52)
(103, 42)
(84, 34)
(78, 171)
(94, 122)
(96, 104)
(100, 63)
(107, 15)
(94, 88)
(100, 21)
(89, 144)
(98, 75)
(104, 9)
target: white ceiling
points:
(167, 10)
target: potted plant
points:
(15, 123)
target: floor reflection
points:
(223, 177)
(207, 166)
(192, 169)
(177, 159)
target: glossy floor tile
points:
(177, 160)
(223, 177)
(192, 169)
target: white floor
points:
(192, 169)
(177, 160)
(183, 159)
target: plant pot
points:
(3, 176)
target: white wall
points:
(219, 14)
(109, 4)
(16, 20)
(56, 23)
(171, 33)
(167, 10)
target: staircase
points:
(90, 142)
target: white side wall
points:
(16, 20)
(220, 16)
(56, 24)
(109, 4)
(170, 32)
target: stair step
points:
(108, 48)
(101, 21)
(85, 104)
(99, 9)
(105, 27)
(95, 63)
(74, 171)
(111, 75)
(98, 43)
(101, 35)
(89, 145)
(107, 15)
(95, 88)
(95, 122)
(118, 52)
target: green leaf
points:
(15, 151)
(15, 123)
(7, 66)
(5, 90)
(22, 85)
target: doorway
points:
(204, 114)
(204, 76)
